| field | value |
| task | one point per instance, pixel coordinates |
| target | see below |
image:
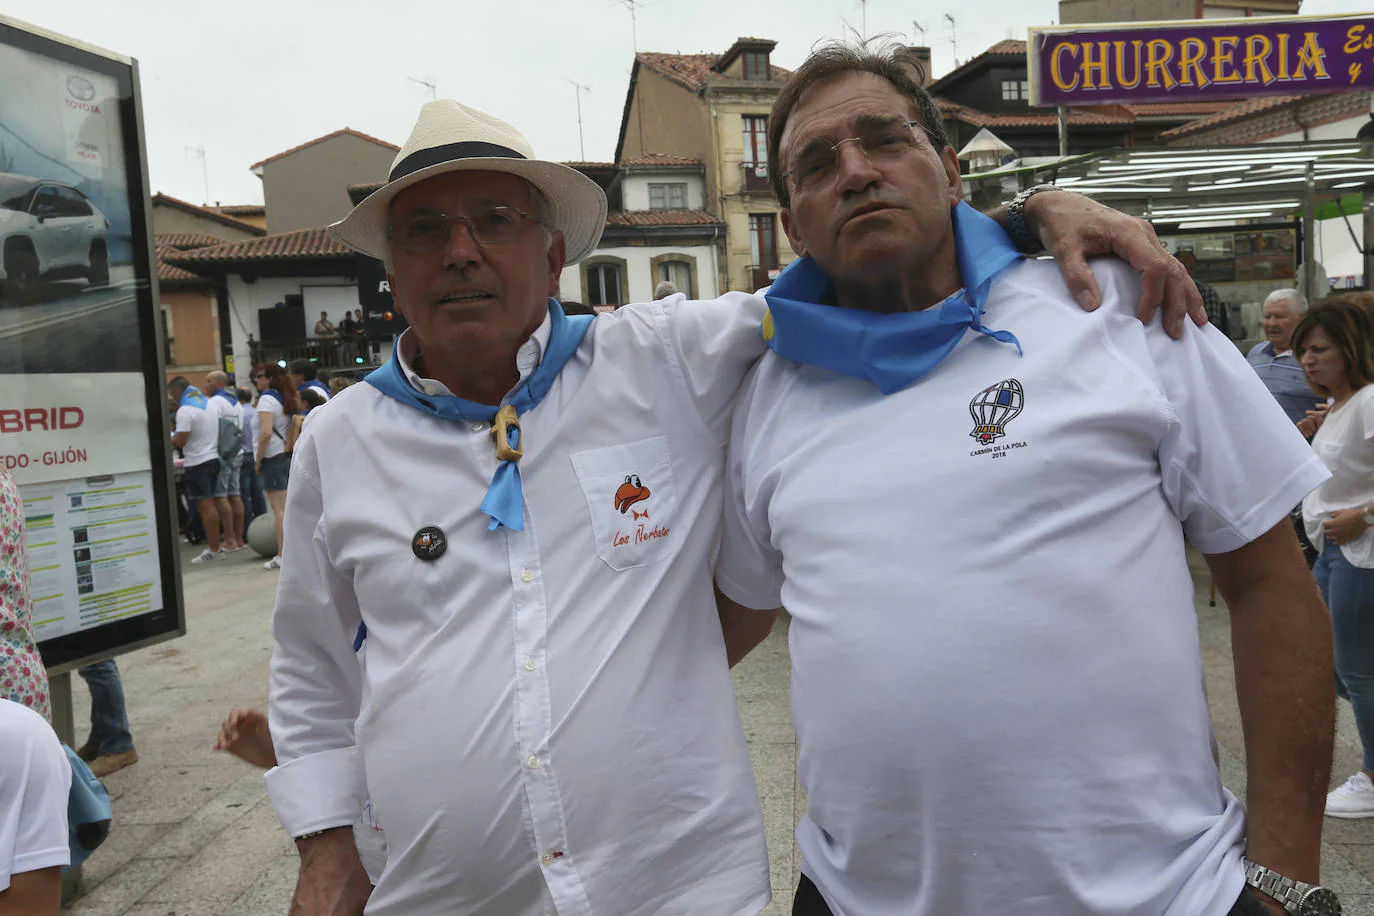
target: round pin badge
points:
(429, 543)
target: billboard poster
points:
(1200, 60)
(83, 414)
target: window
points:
(756, 66)
(73, 202)
(46, 202)
(1015, 90)
(763, 242)
(668, 196)
(603, 285)
(678, 273)
(756, 143)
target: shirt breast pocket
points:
(633, 503)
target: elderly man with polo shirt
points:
(544, 721)
(1273, 357)
(975, 513)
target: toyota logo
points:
(80, 88)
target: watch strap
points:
(1286, 891)
(1368, 517)
(1020, 233)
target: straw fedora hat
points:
(449, 137)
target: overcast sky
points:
(248, 79)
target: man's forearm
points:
(332, 881)
(1281, 645)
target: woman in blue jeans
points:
(1334, 343)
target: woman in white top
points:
(35, 779)
(277, 404)
(1334, 343)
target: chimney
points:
(920, 55)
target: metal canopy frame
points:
(1214, 187)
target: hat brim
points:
(577, 204)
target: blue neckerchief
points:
(192, 397)
(890, 350)
(224, 393)
(275, 393)
(316, 383)
(505, 500)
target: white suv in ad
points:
(48, 231)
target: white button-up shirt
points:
(545, 722)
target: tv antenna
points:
(199, 150)
(853, 31)
(429, 83)
(863, 8)
(919, 28)
(632, 6)
(578, 89)
(953, 44)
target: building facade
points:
(306, 186)
(714, 108)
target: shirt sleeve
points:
(1233, 464)
(713, 343)
(748, 567)
(35, 780)
(184, 417)
(315, 685)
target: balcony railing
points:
(333, 353)
(759, 277)
(754, 178)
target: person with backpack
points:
(225, 404)
(279, 423)
(197, 435)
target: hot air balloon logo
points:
(994, 407)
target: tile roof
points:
(302, 244)
(1182, 109)
(1232, 112)
(1008, 48)
(170, 273)
(338, 133)
(184, 240)
(1076, 116)
(206, 213)
(639, 219)
(692, 71)
(660, 159)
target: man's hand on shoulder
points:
(1074, 228)
(332, 880)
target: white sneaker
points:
(206, 556)
(274, 563)
(1352, 798)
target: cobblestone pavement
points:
(194, 834)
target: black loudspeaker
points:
(284, 323)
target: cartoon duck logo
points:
(630, 492)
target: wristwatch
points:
(1368, 518)
(1020, 233)
(1296, 897)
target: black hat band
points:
(473, 149)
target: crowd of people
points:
(968, 475)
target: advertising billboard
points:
(83, 413)
(1200, 60)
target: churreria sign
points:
(1213, 59)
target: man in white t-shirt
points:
(35, 779)
(228, 502)
(533, 572)
(973, 497)
(197, 435)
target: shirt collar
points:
(527, 358)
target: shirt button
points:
(478, 427)
(533, 762)
(526, 576)
(549, 858)
(530, 664)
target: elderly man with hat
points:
(543, 721)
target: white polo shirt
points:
(203, 425)
(996, 682)
(545, 722)
(35, 779)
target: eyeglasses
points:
(488, 226)
(880, 140)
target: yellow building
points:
(714, 108)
